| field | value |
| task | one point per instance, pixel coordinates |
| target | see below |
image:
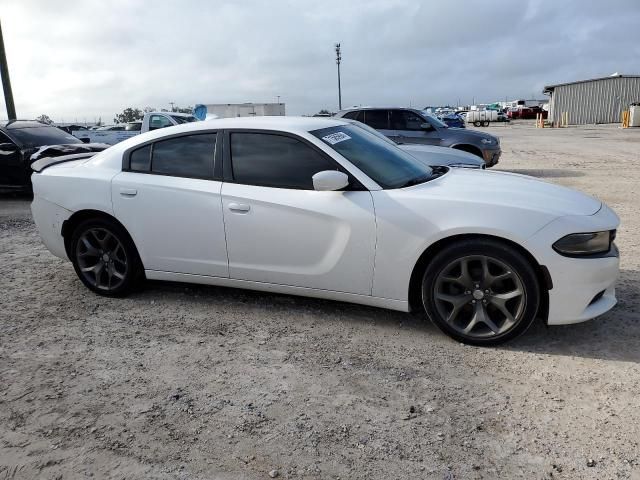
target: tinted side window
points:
(189, 156)
(159, 121)
(275, 161)
(405, 120)
(140, 159)
(378, 119)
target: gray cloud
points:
(73, 59)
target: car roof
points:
(285, 124)
(16, 124)
(357, 109)
(175, 114)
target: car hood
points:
(482, 188)
(465, 133)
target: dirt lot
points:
(192, 382)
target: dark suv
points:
(19, 139)
(406, 125)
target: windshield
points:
(31, 137)
(180, 119)
(382, 161)
(435, 121)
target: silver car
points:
(429, 154)
(407, 125)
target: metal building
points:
(599, 100)
(229, 110)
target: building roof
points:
(549, 88)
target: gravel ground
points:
(193, 382)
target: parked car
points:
(406, 125)
(452, 120)
(525, 113)
(19, 139)
(321, 208)
(429, 154)
(113, 134)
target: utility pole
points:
(172, 103)
(6, 82)
(278, 99)
(338, 60)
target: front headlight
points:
(580, 244)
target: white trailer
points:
(481, 118)
(230, 110)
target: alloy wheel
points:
(102, 259)
(479, 296)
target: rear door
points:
(169, 202)
(280, 230)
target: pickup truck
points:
(150, 121)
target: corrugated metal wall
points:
(597, 101)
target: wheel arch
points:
(466, 147)
(70, 224)
(415, 281)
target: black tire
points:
(105, 258)
(477, 123)
(506, 315)
(485, 123)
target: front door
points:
(281, 231)
(171, 206)
(408, 127)
(12, 171)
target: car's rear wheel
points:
(481, 292)
(104, 257)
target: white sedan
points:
(322, 208)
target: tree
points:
(128, 115)
(324, 111)
(182, 109)
(44, 119)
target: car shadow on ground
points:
(546, 173)
(612, 336)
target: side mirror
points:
(329, 180)
(8, 147)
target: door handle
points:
(128, 192)
(239, 207)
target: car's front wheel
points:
(104, 257)
(481, 292)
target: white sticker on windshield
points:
(336, 138)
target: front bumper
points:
(491, 156)
(583, 288)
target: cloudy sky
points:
(84, 59)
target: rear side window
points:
(140, 159)
(275, 161)
(378, 119)
(189, 156)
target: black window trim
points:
(216, 170)
(227, 166)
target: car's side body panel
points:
(176, 223)
(307, 238)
